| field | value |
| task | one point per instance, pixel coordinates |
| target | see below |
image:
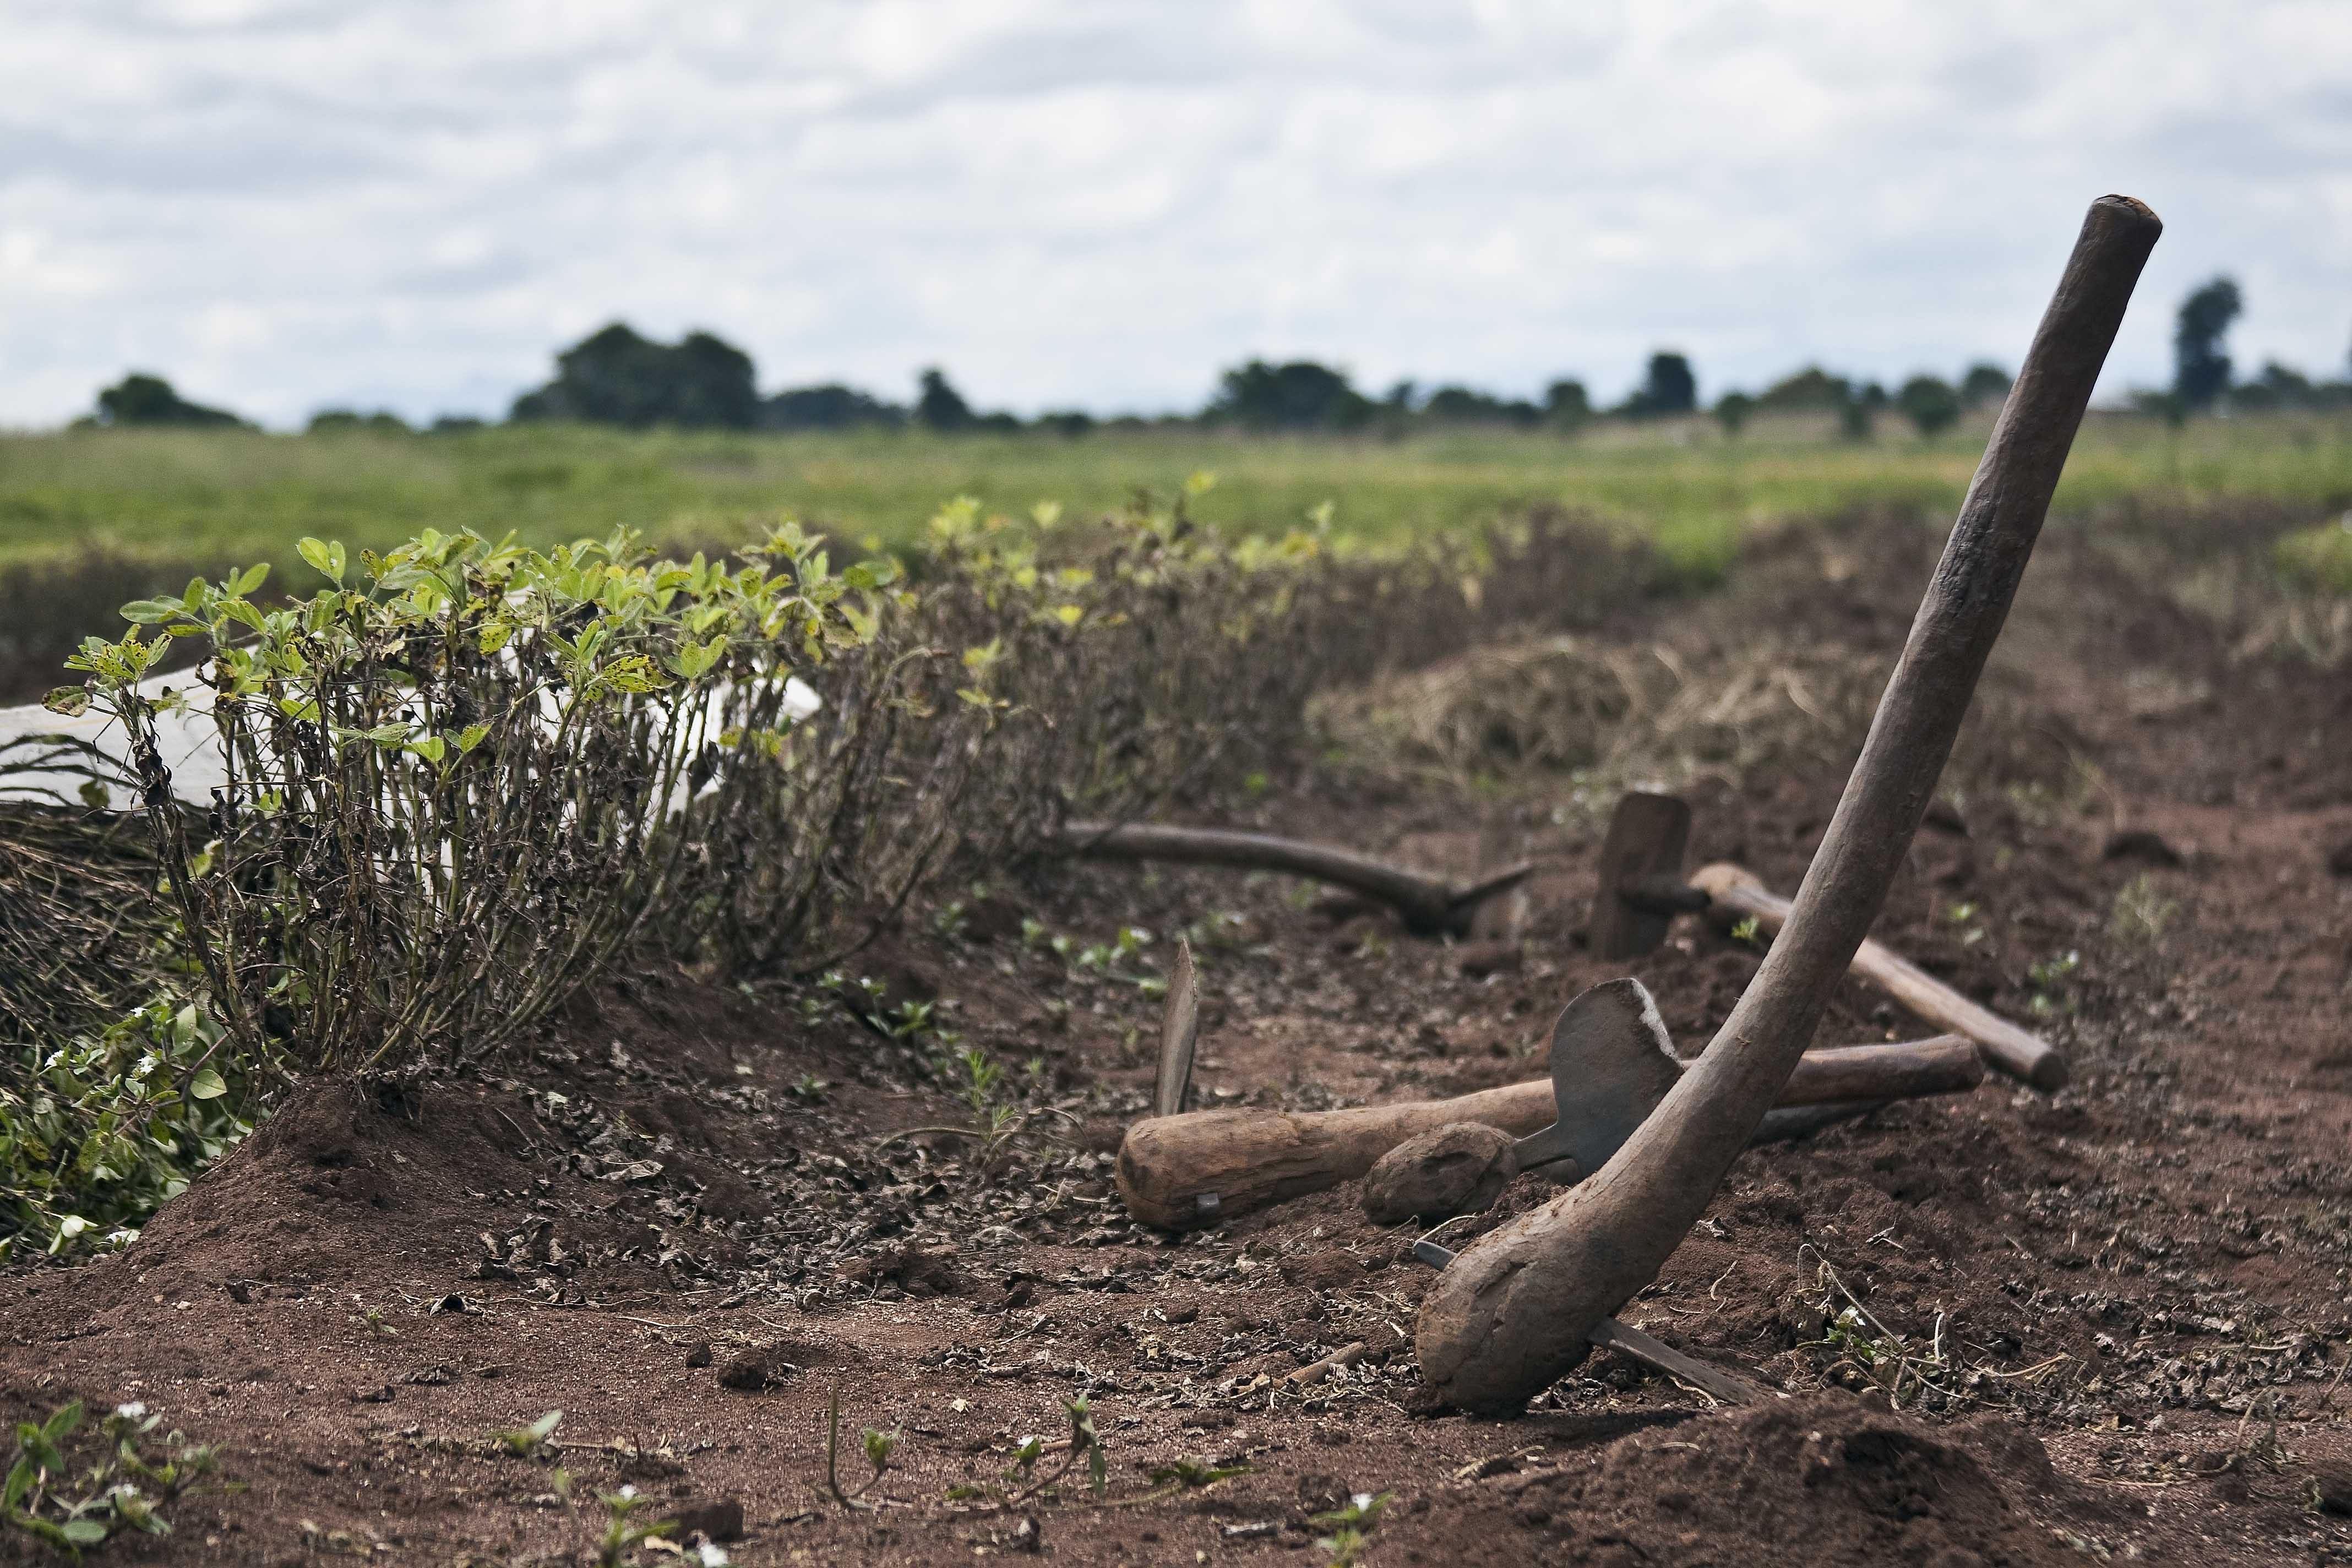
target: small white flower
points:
(133, 1411)
(1362, 1502)
(628, 1490)
(713, 1555)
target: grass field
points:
(231, 497)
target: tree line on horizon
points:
(615, 376)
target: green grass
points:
(241, 496)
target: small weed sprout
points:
(1191, 1475)
(124, 1492)
(2050, 978)
(1748, 933)
(525, 1442)
(1351, 1527)
(2141, 911)
(878, 1445)
(1082, 1444)
(623, 1534)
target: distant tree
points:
(1300, 396)
(614, 377)
(939, 406)
(1731, 410)
(830, 406)
(143, 399)
(455, 424)
(2200, 363)
(2282, 387)
(1071, 422)
(1984, 383)
(1810, 388)
(1466, 405)
(1930, 402)
(1403, 396)
(1857, 416)
(1668, 387)
(383, 422)
(1568, 404)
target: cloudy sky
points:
(288, 203)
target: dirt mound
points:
(342, 1182)
(1822, 1479)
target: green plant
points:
(124, 1489)
(622, 1532)
(1351, 1527)
(461, 777)
(527, 1442)
(2141, 911)
(1082, 1442)
(878, 1446)
(2050, 977)
(100, 1130)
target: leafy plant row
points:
(466, 777)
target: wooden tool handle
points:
(1182, 1172)
(1735, 893)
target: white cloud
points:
(284, 204)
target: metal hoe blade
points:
(1180, 1027)
(1611, 1062)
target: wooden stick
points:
(1628, 1340)
(1519, 1306)
(1735, 893)
(1428, 906)
(1207, 1166)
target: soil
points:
(2014, 1328)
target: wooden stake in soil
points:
(1520, 1306)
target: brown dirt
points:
(695, 1215)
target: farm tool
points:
(1611, 1064)
(1427, 905)
(1527, 1302)
(1643, 889)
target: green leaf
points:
(544, 1428)
(1069, 614)
(471, 736)
(148, 612)
(84, 1531)
(327, 558)
(207, 1085)
(61, 1424)
(250, 579)
(72, 701)
(20, 1483)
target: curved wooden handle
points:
(1182, 1172)
(1735, 893)
(1427, 905)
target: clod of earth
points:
(1457, 1169)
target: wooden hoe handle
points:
(1735, 893)
(1182, 1172)
(1519, 1307)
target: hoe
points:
(1642, 889)
(1528, 1301)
